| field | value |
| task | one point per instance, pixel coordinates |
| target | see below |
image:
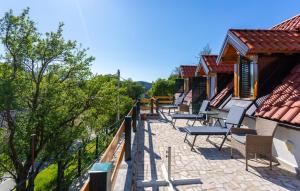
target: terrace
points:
(265, 85)
(205, 168)
(214, 169)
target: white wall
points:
(287, 146)
(213, 86)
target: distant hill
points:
(146, 85)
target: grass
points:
(46, 179)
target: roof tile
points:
(211, 63)
(296, 119)
(290, 114)
(289, 24)
(220, 97)
(187, 71)
(269, 41)
(283, 104)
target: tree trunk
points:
(60, 176)
(21, 183)
(30, 186)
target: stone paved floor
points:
(215, 169)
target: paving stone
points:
(215, 169)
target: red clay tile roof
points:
(219, 98)
(187, 71)
(268, 41)
(211, 63)
(283, 104)
(289, 24)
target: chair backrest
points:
(179, 99)
(177, 95)
(188, 98)
(204, 106)
(235, 116)
(265, 127)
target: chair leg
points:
(225, 137)
(231, 153)
(185, 138)
(193, 143)
(270, 161)
(187, 122)
(246, 158)
(174, 123)
(207, 138)
(194, 122)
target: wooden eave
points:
(201, 71)
(231, 41)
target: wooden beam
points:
(117, 165)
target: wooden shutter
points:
(179, 86)
(245, 78)
(198, 92)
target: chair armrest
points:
(257, 139)
(235, 130)
(232, 124)
(219, 118)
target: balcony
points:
(205, 168)
(214, 169)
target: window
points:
(246, 83)
(245, 78)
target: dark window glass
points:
(246, 78)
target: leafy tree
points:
(206, 50)
(162, 87)
(46, 89)
(104, 113)
(134, 90)
(175, 73)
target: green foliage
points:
(162, 87)
(146, 85)
(47, 89)
(175, 74)
(206, 50)
(134, 89)
(46, 179)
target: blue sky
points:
(148, 39)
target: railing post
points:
(134, 117)
(100, 177)
(97, 146)
(127, 138)
(157, 105)
(79, 162)
(169, 163)
(151, 105)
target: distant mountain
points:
(146, 85)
